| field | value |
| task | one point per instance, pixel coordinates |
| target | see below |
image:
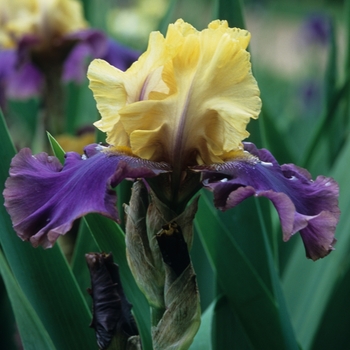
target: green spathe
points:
(173, 297)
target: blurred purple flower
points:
(309, 95)
(316, 29)
(22, 70)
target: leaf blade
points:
(33, 333)
(250, 298)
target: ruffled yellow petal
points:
(113, 88)
(109, 90)
(187, 100)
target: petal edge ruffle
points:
(44, 198)
(304, 205)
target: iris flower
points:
(177, 119)
(38, 35)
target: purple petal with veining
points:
(304, 205)
(44, 198)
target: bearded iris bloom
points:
(176, 118)
(41, 36)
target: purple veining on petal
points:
(44, 198)
(143, 89)
(304, 205)
(176, 150)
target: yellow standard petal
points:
(114, 89)
(186, 101)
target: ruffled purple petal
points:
(44, 198)
(304, 205)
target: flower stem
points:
(53, 101)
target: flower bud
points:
(112, 318)
(145, 266)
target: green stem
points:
(324, 123)
(53, 101)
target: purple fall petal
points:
(44, 198)
(304, 205)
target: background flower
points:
(45, 38)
